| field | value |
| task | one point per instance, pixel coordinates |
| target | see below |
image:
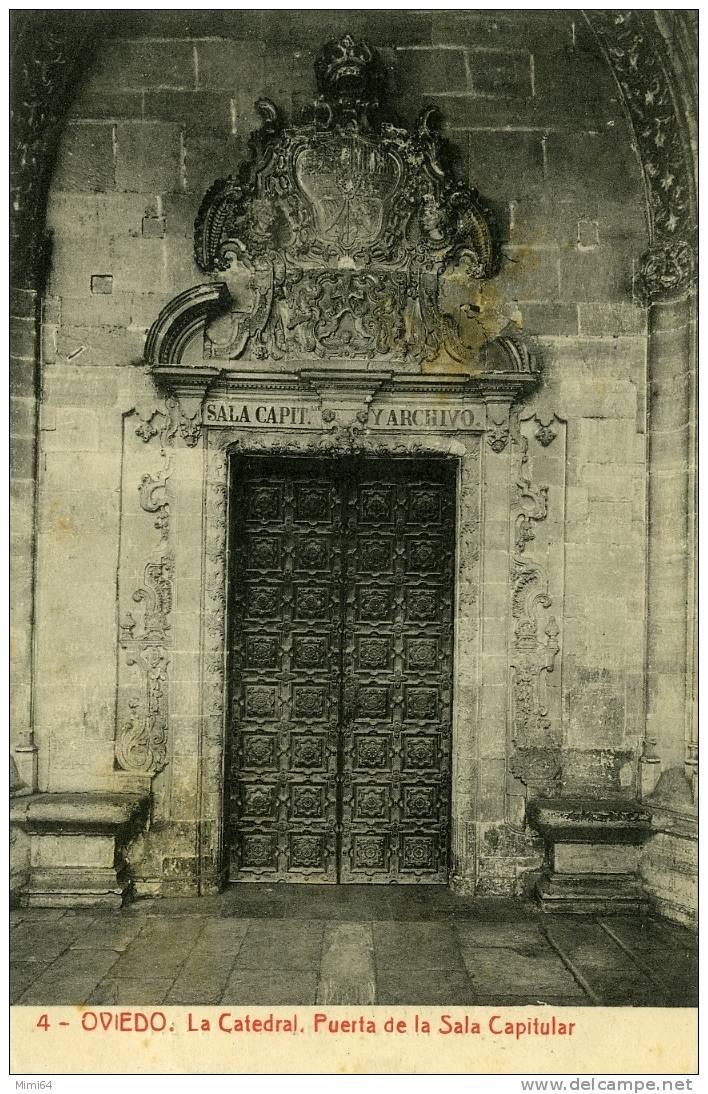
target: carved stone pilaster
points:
(535, 756)
(141, 744)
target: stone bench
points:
(592, 854)
(76, 843)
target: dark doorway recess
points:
(340, 669)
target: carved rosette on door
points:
(341, 670)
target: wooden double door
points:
(340, 650)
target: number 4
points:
(43, 1022)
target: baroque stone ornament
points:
(498, 436)
(545, 432)
(173, 421)
(153, 498)
(141, 745)
(347, 237)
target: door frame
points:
(335, 467)
(211, 522)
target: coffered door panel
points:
(285, 671)
(397, 672)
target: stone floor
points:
(307, 944)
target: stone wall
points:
(533, 117)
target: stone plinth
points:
(592, 854)
(76, 847)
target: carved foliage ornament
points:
(631, 45)
(344, 235)
(170, 423)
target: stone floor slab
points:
(601, 964)
(279, 944)
(139, 957)
(426, 986)
(288, 988)
(223, 935)
(416, 945)
(510, 972)
(115, 932)
(508, 936)
(22, 974)
(68, 991)
(668, 959)
(347, 972)
(131, 991)
(81, 962)
(202, 978)
(537, 1000)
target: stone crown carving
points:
(343, 238)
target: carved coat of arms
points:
(345, 236)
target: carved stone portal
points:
(343, 237)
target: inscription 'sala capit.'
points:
(225, 412)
